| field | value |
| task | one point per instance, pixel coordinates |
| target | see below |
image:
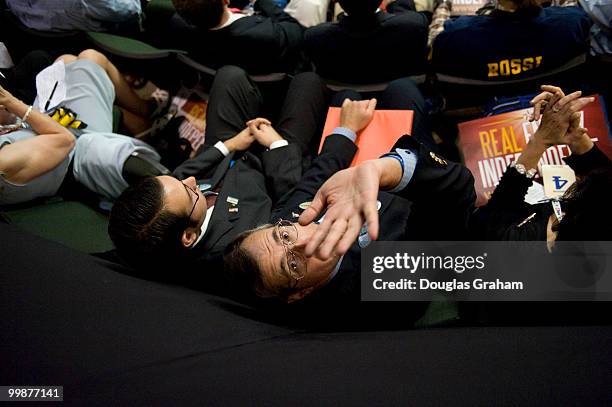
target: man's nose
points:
(304, 236)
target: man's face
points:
(284, 266)
(184, 198)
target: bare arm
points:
(25, 160)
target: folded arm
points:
(25, 160)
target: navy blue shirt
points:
(505, 46)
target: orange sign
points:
(386, 127)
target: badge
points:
(557, 179)
(437, 159)
(232, 201)
(305, 205)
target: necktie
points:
(211, 198)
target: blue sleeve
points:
(348, 133)
(408, 158)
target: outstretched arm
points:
(25, 160)
(350, 196)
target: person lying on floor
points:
(39, 156)
(309, 272)
(231, 185)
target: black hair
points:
(360, 9)
(205, 14)
(244, 274)
(585, 205)
(141, 229)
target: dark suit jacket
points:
(391, 46)
(435, 205)
(256, 182)
(269, 41)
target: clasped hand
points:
(560, 115)
(259, 130)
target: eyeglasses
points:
(288, 235)
(197, 197)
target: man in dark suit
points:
(314, 265)
(229, 186)
(370, 46)
(267, 41)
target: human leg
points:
(125, 95)
(403, 94)
(23, 78)
(89, 93)
(304, 110)
(234, 100)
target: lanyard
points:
(557, 209)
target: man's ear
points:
(298, 295)
(189, 237)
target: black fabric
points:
(110, 339)
(351, 51)
(268, 41)
(21, 79)
(67, 317)
(136, 168)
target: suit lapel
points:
(222, 220)
(221, 170)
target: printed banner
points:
(191, 104)
(490, 144)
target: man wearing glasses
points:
(311, 269)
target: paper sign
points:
(51, 86)
(557, 179)
(386, 127)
